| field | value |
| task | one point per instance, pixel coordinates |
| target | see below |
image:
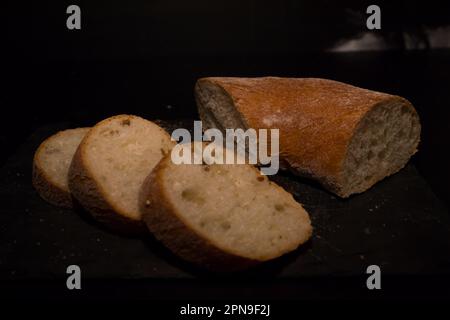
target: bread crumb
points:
(51, 150)
(192, 195)
(225, 225)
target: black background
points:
(140, 57)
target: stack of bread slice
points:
(223, 217)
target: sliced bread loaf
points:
(110, 165)
(223, 217)
(51, 166)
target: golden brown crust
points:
(85, 189)
(316, 117)
(162, 220)
(49, 191)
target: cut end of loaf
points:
(216, 107)
(385, 139)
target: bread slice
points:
(51, 166)
(221, 216)
(345, 137)
(110, 165)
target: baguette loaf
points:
(110, 165)
(345, 137)
(221, 216)
(51, 166)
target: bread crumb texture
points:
(118, 154)
(231, 207)
(55, 155)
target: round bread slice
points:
(221, 216)
(110, 165)
(51, 166)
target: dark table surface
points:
(402, 224)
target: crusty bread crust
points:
(162, 220)
(317, 119)
(49, 191)
(44, 185)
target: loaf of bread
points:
(110, 165)
(51, 166)
(345, 137)
(221, 216)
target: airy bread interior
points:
(120, 152)
(236, 209)
(56, 153)
(386, 137)
(216, 108)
